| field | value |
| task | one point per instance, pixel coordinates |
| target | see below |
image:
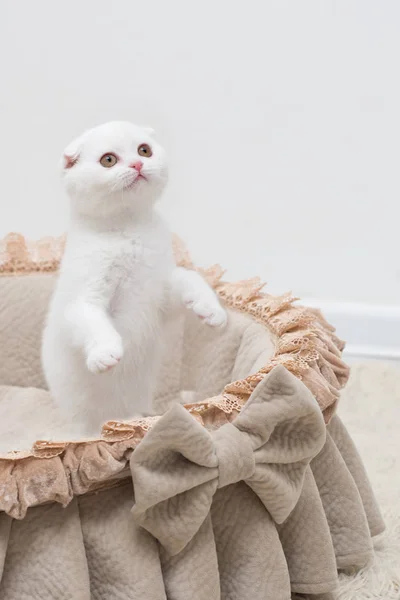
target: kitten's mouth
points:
(137, 179)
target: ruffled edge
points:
(306, 344)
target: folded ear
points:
(71, 154)
(69, 160)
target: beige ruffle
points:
(19, 256)
(58, 471)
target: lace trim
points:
(306, 343)
(17, 255)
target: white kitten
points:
(102, 341)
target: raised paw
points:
(209, 310)
(103, 357)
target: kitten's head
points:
(113, 166)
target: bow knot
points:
(179, 465)
(235, 455)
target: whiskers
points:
(126, 180)
(122, 181)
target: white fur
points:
(103, 338)
(189, 286)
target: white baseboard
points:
(369, 331)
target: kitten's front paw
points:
(103, 357)
(208, 309)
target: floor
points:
(370, 409)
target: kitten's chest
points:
(140, 271)
(134, 260)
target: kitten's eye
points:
(145, 150)
(108, 160)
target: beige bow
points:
(179, 465)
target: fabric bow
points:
(179, 465)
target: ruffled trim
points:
(56, 472)
(305, 343)
(19, 256)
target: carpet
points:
(370, 409)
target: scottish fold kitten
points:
(102, 340)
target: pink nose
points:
(137, 165)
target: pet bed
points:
(247, 484)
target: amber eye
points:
(108, 160)
(145, 150)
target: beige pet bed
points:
(252, 489)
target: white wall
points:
(282, 121)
